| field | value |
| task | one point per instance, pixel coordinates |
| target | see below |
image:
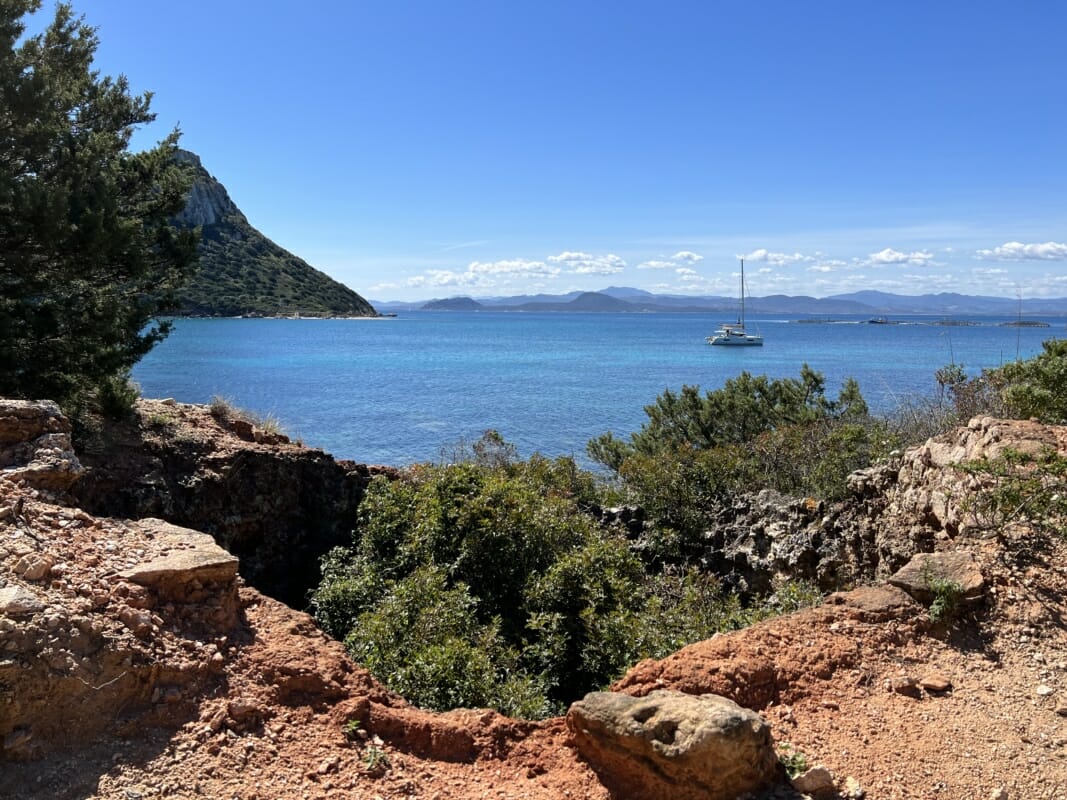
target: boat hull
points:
(736, 341)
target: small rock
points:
(935, 682)
(34, 566)
(905, 685)
(853, 789)
(329, 765)
(817, 780)
(1045, 691)
(999, 794)
(957, 566)
(1062, 711)
(15, 601)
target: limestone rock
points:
(208, 201)
(15, 601)
(875, 603)
(673, 745)
(957, 567)
(34, 566)
(192, 558)
(936, 682)
(35, 445)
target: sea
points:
(413, 388)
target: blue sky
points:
(431, 149)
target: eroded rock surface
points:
(674, 746)
(35, 446)
(959, 569)
(276, 505)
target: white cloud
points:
(519, 267)
(776, 259)
(481, 274)
(990, 271)
(686, 257)
(589, 264)
(821, 268)
(463, 245)
(1017, 251)
(656, 264)
(889, 257)
(685, 273)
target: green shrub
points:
(488, 583)
(117, 395)
(1016, 487)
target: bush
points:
(489, 583)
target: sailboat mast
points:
(742, 293)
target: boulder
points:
(190, 556)
(15, 601)
(674, 746)
(917, 577)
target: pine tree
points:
(88, 256)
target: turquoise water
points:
(397, 391)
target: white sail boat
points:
(734, 334)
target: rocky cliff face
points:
(242, 272)
(277, 506)
(208, 202)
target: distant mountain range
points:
(626, 299)
(242, 272)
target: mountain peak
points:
(242, 272)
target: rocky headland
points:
(142, 653)
(242, 272)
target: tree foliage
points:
(744, 408)
(698, 449)
(492, 582)
(1036, 387)
(88, 256)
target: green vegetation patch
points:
(492, 582)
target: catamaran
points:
(734, 334)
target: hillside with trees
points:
(243, 273)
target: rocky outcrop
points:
(930, 487)
(133, 664)
(276, 506)
(100, 617)
(674, 746)
(208, 202)
(915, 504)
(35, 445)
(242, 272)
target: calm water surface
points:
(397, 391)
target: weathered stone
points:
(193, 556)
(35, 445)
(853, 790)
(34, 566)
(15, 601)
(905, 685)
(935, 682)
(875, 603)
(959, 566)
(673, 745)
(816, 781)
